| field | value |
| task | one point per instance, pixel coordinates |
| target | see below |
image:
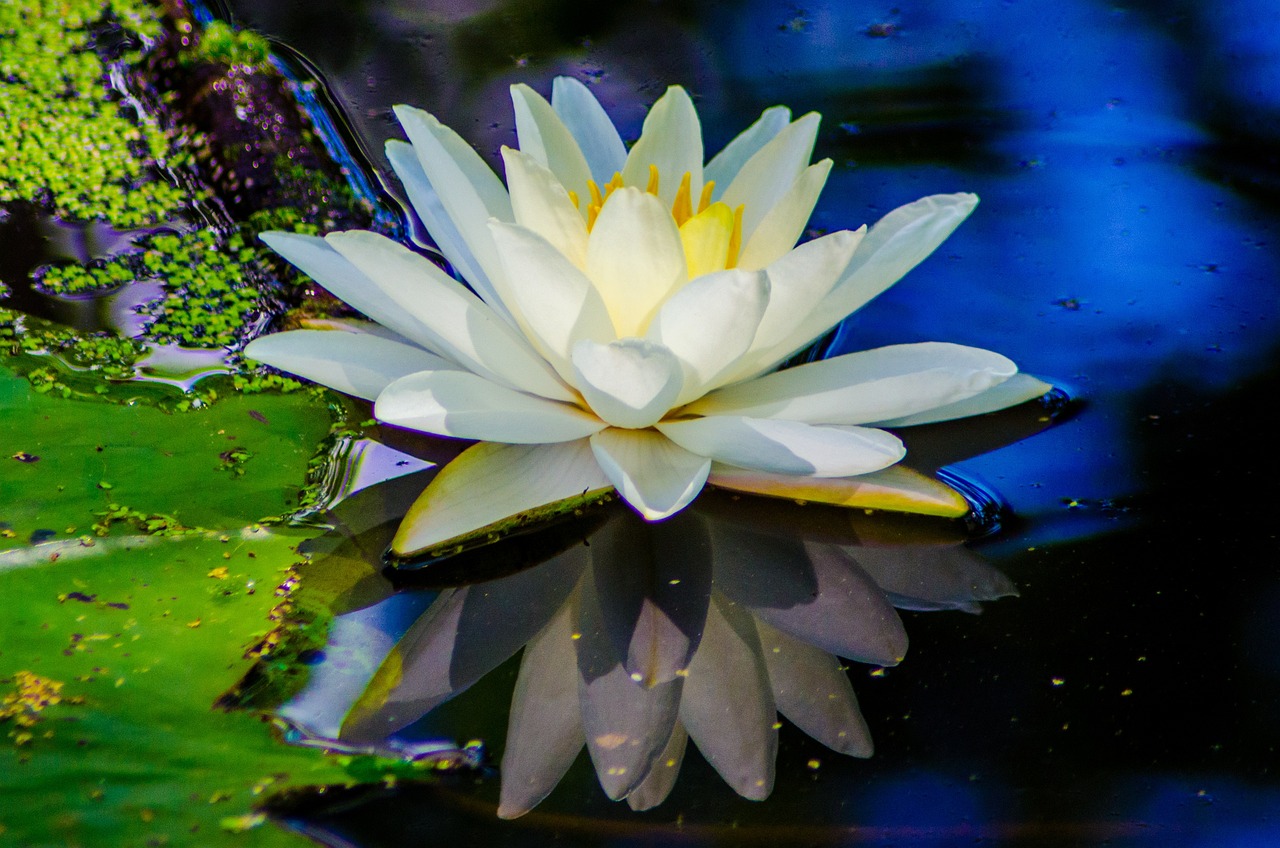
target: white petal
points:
(932, 577)
(555, 304)
(544, 732)
(798, 282)
(595, 133)
(1019, 388)
(786, 447)
(781, 228)
(672, 140)
(541, 204)
(728, 706)
(491, 484)
(545, 137)
(447, 317)
(857, 388)
(710, 323)
(635, 258)
(728, 162)
(426, 202)
(469, 190)
(813, 691)
(769, 174)
(628, 382)
(627, 725)
(897, 243)
(655, 476)
(661, 779)
(895, 488)
(359, 364)
(464, 406)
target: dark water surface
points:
(1126, 157)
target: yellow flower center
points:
(712, 237)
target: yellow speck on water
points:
(879, 672)
(617, 771)
(576, 636)
(1057, 681)
(814, 764)
(777, 725)
(119, 682)
(193, 624)
(609, 741)
(219, 796)
(637, 676)
(1126, 693)
(147, 816)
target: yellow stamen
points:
(705, 200)
(613, 184)
(652, 187)
(573, 198)
(682, 208)
(735, 240)
(596, 199)
(593, 212)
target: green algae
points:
(221, 43)
(67, 142)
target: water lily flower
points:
(626, 315)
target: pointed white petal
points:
(653, 582)
(595, 133)
(933, 577)
(769, 174)
(781, 228)
(544, 136)
(857, 388)
(541, 204)
(555, 304)
(544, 732)
(661, 779)
(464, 406)
(710, 323)
(728, 705)
(469, 190)
(786, 447)
(672, 140)
(446, 316)
(897, 243)
(453, 644)
(1019, 388)
(426, 202)
(656, 477)
(628, 382)
(895, 488)
(359, 364)
(813, 691)
(728, 162)
(635, 258)
(627, 725)
(489, 485)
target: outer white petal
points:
(555, 303)
(728, 706)
(541, 204)
(544, 136)
(814, 692)
(710, 323)
(1019, 388)
(544, 732)
(635, 258)
(359, 364)
(464, 406)
(661, 779)
(857, 388)
(596, 135)
(672, 140)
(488, 483)
(426, 202)
(469, 190)
(726, 164)
(798, 282)
(897, 243)
(932, 577)
(656, 477)
(628, 382)
(455, 321)
(896, 488)
(786, 447)
(781, 228)
(768, 175)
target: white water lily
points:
(626, 314)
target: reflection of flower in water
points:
(704, 627)
(630, 310)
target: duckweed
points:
(221, 43)
(66, 141)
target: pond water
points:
(1126, 158)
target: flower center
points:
(712, 236)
